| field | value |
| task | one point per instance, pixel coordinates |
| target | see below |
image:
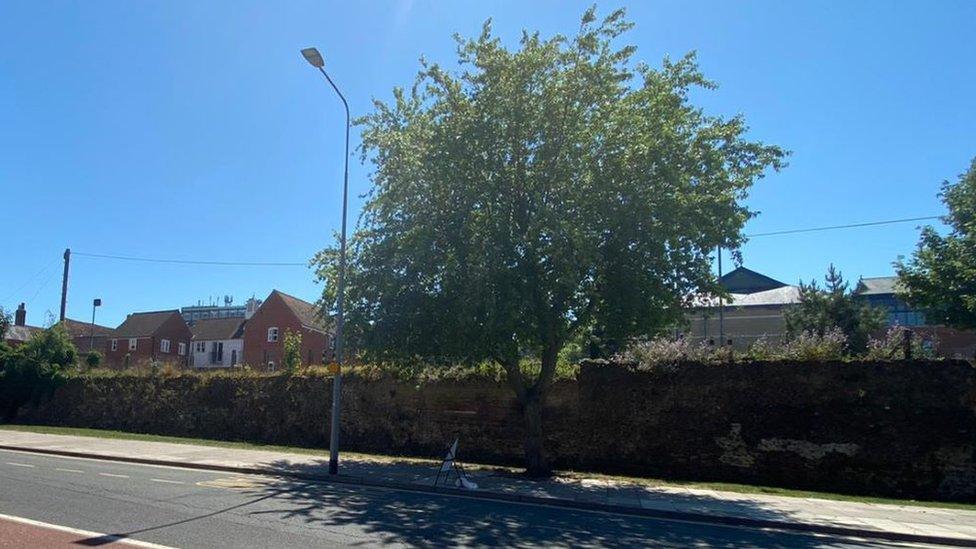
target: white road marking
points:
(166, 481)
(68, 470)
(18, 464)
(86, 533)
(113, 475)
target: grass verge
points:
(566, 475)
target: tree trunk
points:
(536, 464)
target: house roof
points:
(218, 328)
(786, 295)
(144, 324)
(746, 281)
(21, 333)
(307, 313)
(77, 328)
(878, 285)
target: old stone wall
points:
(894, 429)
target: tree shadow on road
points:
(424, 519)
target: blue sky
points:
(195, 130)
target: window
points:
(217, 352)
(201, 346)
(132, 343)
(272, 334)
(164, 345)
(271, 366)
(182, 349)
(115, 345)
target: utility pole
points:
(64, 284)
(721, 304)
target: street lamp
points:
(314, 58)
(91, 333)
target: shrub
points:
(891, 346)
(32, 371)
(292, 358)
(667, 352)
(93, 359)
(807, 345)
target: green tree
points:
(834, 307)
(4, 324)
(941, 276)
(34, 369)
(535, 194)
(93, 359)
(292, 358)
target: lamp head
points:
(313, 57)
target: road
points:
(189, 508)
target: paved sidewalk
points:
(895, 522)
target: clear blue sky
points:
(195, 130)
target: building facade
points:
(193, 313)
(217, 343)
(143, 338)
(754, 310)
(88, 337)
(882, 291)
(264, 333)
(19, 332)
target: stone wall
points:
(894, 429)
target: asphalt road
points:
(187, 508)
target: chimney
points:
(20, 317)
(251, 307)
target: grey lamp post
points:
(91, 334)
(314, 58)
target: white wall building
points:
(217, 343)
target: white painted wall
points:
(202, 359)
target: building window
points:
(271, 366)
(132, 344)
(272, 334)
(201, 346)
(181, 349)
(164, 345)
(115, 345)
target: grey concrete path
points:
(894, 522)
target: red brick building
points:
(88, 337)
(161, 336)
(264, 333)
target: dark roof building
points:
(306, 312)
(218, 328)
(86, 336)
(19, 332)
(144, 324)
(747, 281)
(77, 328)
(156, 336)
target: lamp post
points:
(314, 58)
(91, 334)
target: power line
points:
(29, 281)
(303, 264)
(194, 262)
(849, 226)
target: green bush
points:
(93, 359)
(32, 371)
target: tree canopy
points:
(940, 278)
(536, 192)
(834, 307)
